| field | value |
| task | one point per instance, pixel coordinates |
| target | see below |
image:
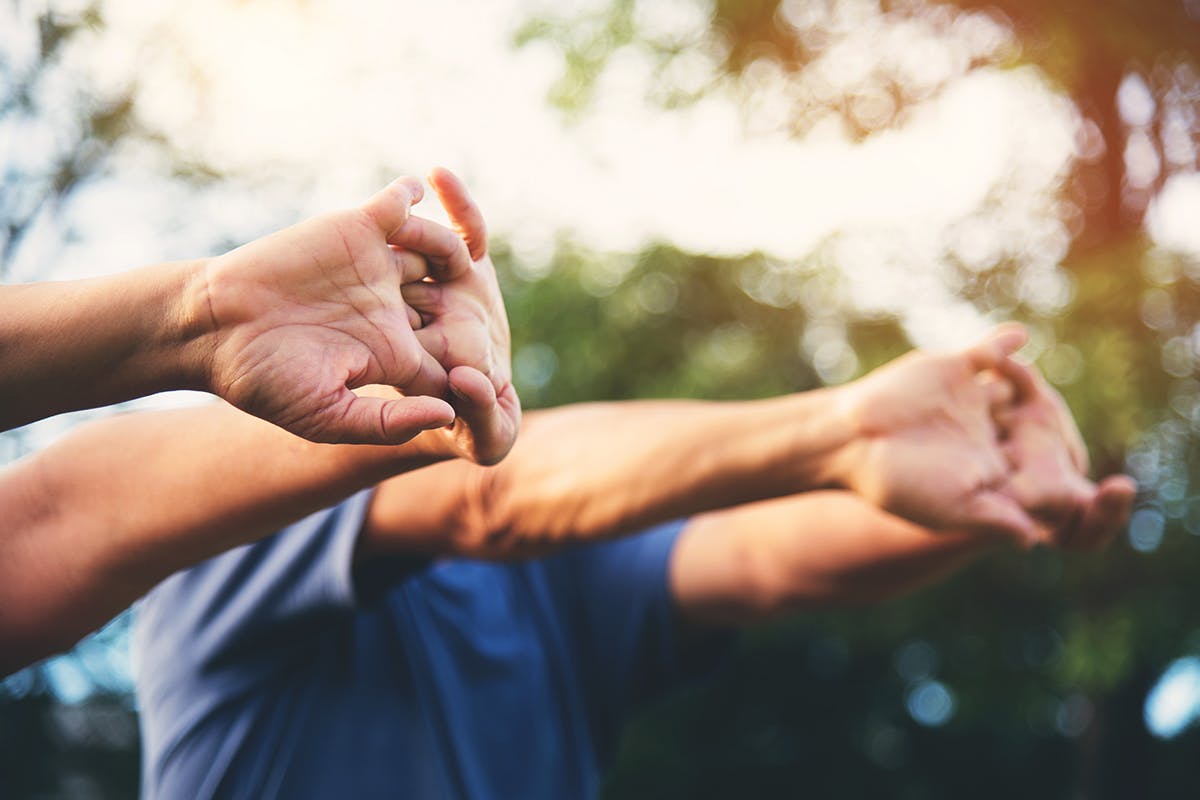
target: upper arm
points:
(30, 575)
(431, 511)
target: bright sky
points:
(315, 104)
(319, 101)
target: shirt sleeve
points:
(625, 625)
(239, 615)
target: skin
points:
(826, 550)
(105, 513)
(463, 325)
(101, 516)
(72, 558)
(807, 552)
(283, 328)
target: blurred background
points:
(718, 199)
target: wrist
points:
(791, 444)
(159, 331)
(851, 464)
(191, 331)
(839, 456)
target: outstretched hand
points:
(464, 326)
(1049, 465)
(303, 316)
(977, 441)
(927, 446)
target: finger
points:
(1001, 342)
(475, 401)
(430, 379)
(411, 266)
(426, 377)
(424, 296)
(434, 341)
(1030, 387)
(992, 512)
(999, 392)
(1033, 388)
(993, 462)
(492, 418)
(465, 215)
(1055, 499)
(445, 251)
(374, 420)
(1108, 514)
(1067, 427)
(388, 209)
(1024, 380)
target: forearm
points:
(97, 519)
(598, 470)
(820, 550)
(81, 344)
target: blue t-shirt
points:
(276, 671)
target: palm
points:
(1049, 464)
(464, 322)
(465, 327)
(927, 447)
(930, 450)
(323, 313)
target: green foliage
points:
(1047, 657)
(586, 43)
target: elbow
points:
(500, 521)
(487, 524)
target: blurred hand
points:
(464, 326)
(304, 315)
(1049, 466)
(927, 447)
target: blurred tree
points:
(67, 727)
(1130, 66)
(1027, 675)
(1047, 661)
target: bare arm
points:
(283, 328)
(598, 470)
(832, 549)
(81, 344)
(113, 508)
(97, 519)
(819, 550)
(915, 437)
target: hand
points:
(1049, 466)
(301, 317)
(927, 447)
(463, 324)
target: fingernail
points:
(433, 426)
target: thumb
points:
(492, 418)
(994, 349)
(995, 513)
(375, 420)
(388, 208)
(1054, 499)
(1108, 514)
